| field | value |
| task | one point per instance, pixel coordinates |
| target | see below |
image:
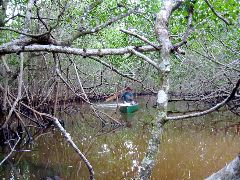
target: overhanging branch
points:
(216, 107)
(11, 48)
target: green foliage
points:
(91, 13)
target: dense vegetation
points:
(55, 51)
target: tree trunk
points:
(161, 31)
(230, 171)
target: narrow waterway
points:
(191, 149)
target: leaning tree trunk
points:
(230, 171)
(162, 34)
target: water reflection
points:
(189, 150)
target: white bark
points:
(12, 48)
(161, 31)
(74, 146)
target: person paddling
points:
(127, 96)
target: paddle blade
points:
(112, 97)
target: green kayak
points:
(128, 108)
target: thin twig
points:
(99, 27)
(12, 150)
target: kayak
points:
(128, 108)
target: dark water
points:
(191, 149)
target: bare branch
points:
(87, 10)
(57, 70)
(145, 58)
(217, 62)
(5, 64)
(216, 13)
(120, 73)
(19, 95)
(114, 69)
(59, 17)
(41, 20)
(28, 16)
(11, 48)
(189, 29)
(23, 33)
(80, 83)
(216, 107)
(99, 27)
(141, 38)
(230, 171)
(22, 16)
(70, 141)
(12, 150)
(3, 10)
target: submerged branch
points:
(12, 149)
(70, 141)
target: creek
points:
(190, 149)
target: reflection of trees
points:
(227, 128)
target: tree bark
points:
(161, 31)
(230, 171)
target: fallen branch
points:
(20, 45)
(70, 141)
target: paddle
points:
(114, 96)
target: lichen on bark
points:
(161, 31)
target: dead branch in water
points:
(70, 141)
(12, 149)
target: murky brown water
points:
(191, 149)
